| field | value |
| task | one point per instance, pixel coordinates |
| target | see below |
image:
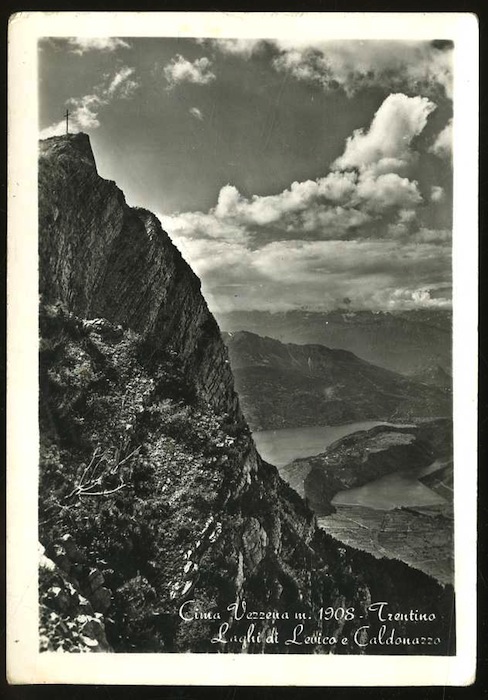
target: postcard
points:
(242, 348)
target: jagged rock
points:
(95, 580)
(254, 540)
(71, 549)
(101, 599)
(67, 619)
(44, 561)
(61, 557)
(103, 327)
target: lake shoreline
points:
(283, 445)
(394, 515)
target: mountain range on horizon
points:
(415, 342)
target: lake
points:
(399, 490)
(279, 447)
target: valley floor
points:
(421, 536)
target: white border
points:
(24, 663)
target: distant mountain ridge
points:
(287, 385)
(410, 342)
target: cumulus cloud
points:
(121, 84)
(359, 199)
(197, 113)
(403, 224)
(433, 236)
(261, 219)
(352, 233)
(419, 67)
(235, 47)
(84, 111)
(436, 193)
(200, 226)
(363, 195)
(420, 297)
(106, 44)
(387, 191)
(385, 146)
(442, 146)
(180, 70)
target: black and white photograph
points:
(246, 394)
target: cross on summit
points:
(67, 115)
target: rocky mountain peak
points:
(69, 145)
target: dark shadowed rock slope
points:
(151, 493)
(411, 342)
(286, 385)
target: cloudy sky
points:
(289, 174)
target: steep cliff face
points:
(148, 467)
(104, 259)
